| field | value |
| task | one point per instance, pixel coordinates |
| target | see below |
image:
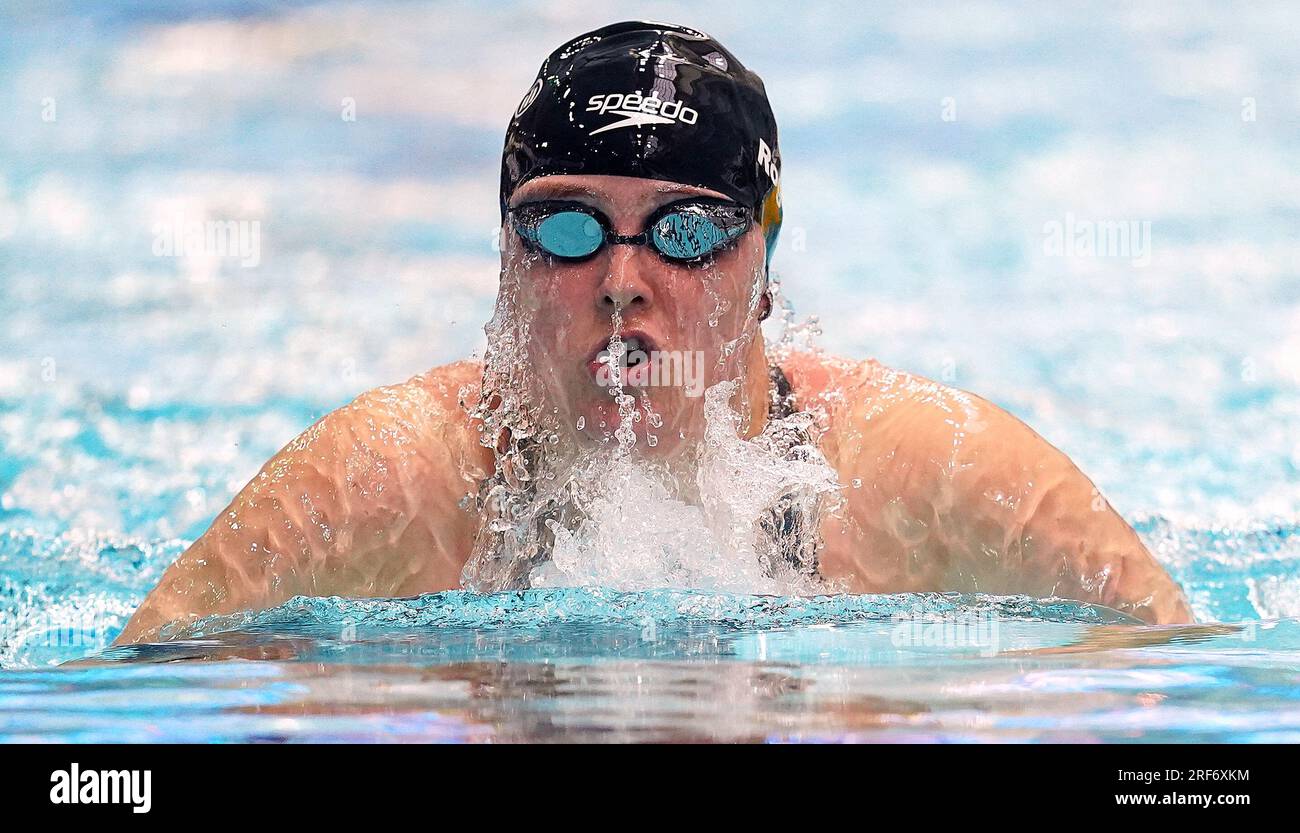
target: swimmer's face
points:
(686, 326)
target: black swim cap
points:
(649, 100)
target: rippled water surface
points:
(673, 665)
(139, 392)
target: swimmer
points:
(641, 203)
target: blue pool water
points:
(925, 153)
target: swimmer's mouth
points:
(637, 350)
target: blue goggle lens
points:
(686, 236)
(569, 234)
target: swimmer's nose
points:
(625, 284)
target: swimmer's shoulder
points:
(427, 415)
(450, 387)
(822, 381)
(815, 375)
(442, 393)
(868, 405)
(875, 412)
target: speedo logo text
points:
(637, 109)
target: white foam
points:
(640, 532)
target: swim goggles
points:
(687, 231)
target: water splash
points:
(616, 359)
(582, 498)
(541, 608)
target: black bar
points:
(206, 783)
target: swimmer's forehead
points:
(609, 192)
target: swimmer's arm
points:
(954, 493)
(364, 503)
(1022, 503)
